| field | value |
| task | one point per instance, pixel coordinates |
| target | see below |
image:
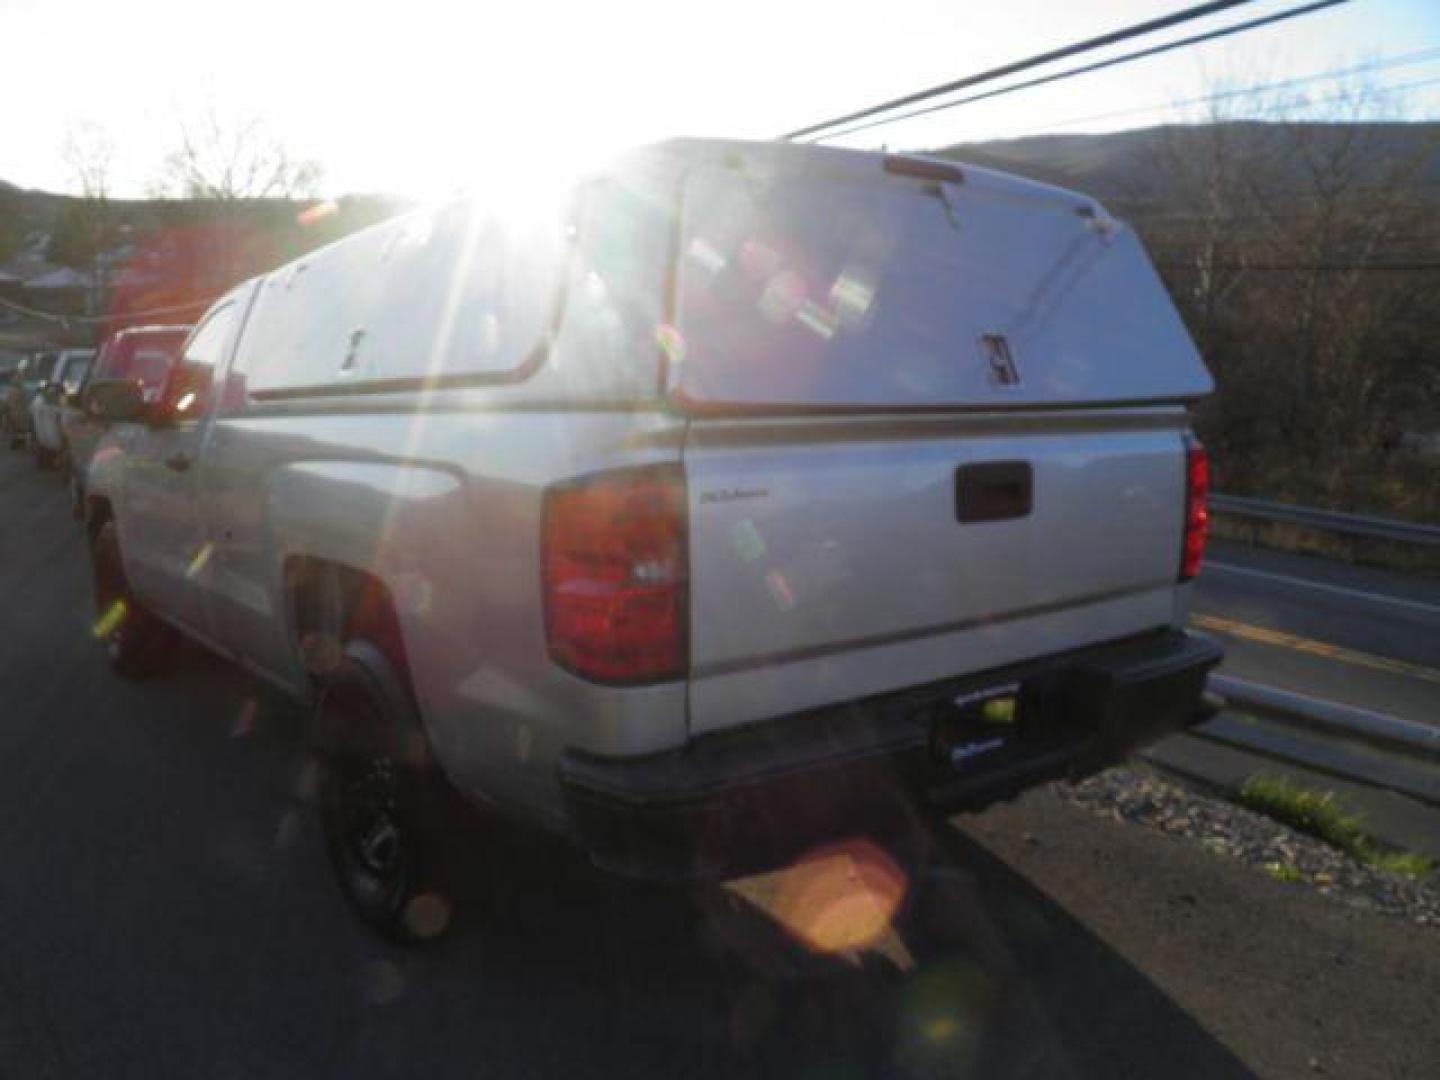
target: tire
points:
(138, 643)
(385, 809)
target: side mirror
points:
(115, 400)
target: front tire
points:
(384, 807)
(137, 642)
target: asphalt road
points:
(1356, 635)
(166, 910)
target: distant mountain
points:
(1122, 165)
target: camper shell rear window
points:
(830, 283)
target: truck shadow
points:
(554, 968)
(980, 974)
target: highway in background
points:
(1355, 635)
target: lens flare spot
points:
(112, 618)
(287, 831)
(319, 212)
(414, 594)
(384, 982)
(759, 260)
(201, 559)
(782, 297)
(814, 317)
(307, 782)
(842, 898)
(671, 342)
(706, 255)
(490, 337)
(321, 652)
(941, 1029)
(780, 590)
(851, 296)
(245, 719)
(749, 544)
(427, 915)
(945, 1011)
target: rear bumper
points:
(759, 796)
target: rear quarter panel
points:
(444, 509)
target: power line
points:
(1200, 11)
(1099, 65)
(1404, 60)
(88, 319)
(1330, 267)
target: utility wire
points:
(1099, 65)
(1330, 267)
(1200, 11)
(1384, 64)
(87, 319)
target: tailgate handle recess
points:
(993, 491)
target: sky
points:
(418, 97)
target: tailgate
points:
(836, 558)
(937, 426)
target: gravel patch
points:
(1235, 832)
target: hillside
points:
(1109, 165)
(1123, 164)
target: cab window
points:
(187, 396)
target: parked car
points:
(765, 484)
(24, 384)
(142, 353)
(62, 388)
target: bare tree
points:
(84, 231)
(225, 163)
(1295, 233)
(230, 158)
(89, 152)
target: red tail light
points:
(1197, 513)
(617, 575)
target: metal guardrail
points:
(1371, 749)
(1359, 525)
(1380, 730)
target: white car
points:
(61, 388)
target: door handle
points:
(178, 462)
(993, 491)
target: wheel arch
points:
(334, 610)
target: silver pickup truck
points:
(689, 513)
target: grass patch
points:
(1321, 815)
(1403, 862)
(1283, 871)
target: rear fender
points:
(394, 523)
